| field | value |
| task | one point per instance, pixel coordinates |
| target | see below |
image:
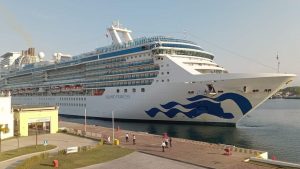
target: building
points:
(30, 120)
(6, 117)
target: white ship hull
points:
(158, 102)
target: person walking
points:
(167, 142)
(127, 137)
(108, 139)
(170, 141)
(133, 139)
(163, 145)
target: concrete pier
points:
(197, 153)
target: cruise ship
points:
(155, 79)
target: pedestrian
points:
(108, 139)
(133, 139)
(167, 142)
(127, 137)
(163, 145)
(170, 141)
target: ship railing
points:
(119, 79)
(140, 41)
(105, 66)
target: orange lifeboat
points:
(98, 92)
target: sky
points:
(244, 35)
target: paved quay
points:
(142, 161)
(196, 153)
(62, 141)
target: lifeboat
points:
(22, 91)
(77, 88)
(15, 91)
(98, 92)
(66, 88)
(56, 89)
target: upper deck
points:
(111, 51)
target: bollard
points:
(101, 142)
(227, 151)
(55, 163)
(116, 142)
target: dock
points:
(197, 153)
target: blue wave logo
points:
(202, 104)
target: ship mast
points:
(278, 62)
(115, 30)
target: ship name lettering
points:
(117, 97)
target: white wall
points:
(6, 116)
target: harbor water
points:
(272, 127)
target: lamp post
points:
(85, 120)
(113, 126)
(18, 133)
(36, 133)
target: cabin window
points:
(133, 90)
(142, 89)
(125, 90)
(190, 92)
(118, 90)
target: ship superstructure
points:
(156, 78)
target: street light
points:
(36, 133)
(85, 120)
(18, 133)
(113, 125)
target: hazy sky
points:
(243, 35)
